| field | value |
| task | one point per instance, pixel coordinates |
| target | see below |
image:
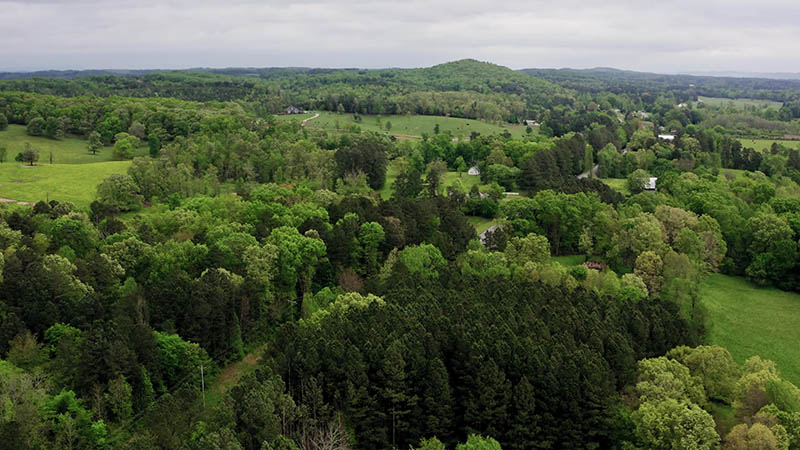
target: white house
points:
(474, 171)
(667, 137)
(531, 123)
(650, 184)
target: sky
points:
(646, 35)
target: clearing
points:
(764, 145)
(406, 126)
(751, 320)
(68, 150)
(76, 183)
(618, 184)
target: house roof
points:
(650, 184)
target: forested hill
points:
(683, 86)
(466, 88)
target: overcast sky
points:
(647, 35)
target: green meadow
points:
(618, 184)
(68, 150)
(76, 183)
(406, 126)
(751, 320)
(763, 145)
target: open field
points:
(68, 150)
(765, 144)
(618, 184)
(406, 125)
(750, 320)
(740, 103)
(569, 260)
(76, 183)
(482, 224)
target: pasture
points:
(751, 320)
(764, 145)
(76, 183)
(740, 103)
(406, 126)
(68, 150)
(618, 184)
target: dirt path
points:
(10, 200)
(303, 123)
(231, 374)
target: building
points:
(650, 184)
(531, 123)
(667, 137)
(294, 110)
(474, 171)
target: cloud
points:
(667, 36)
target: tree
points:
(124, 146)
(3, 154)
(53, 128)
(637, 180)
(36, 126)
(713, 365)
(3, 122)
(95, 142)
(30, 155)
(476, 442)
(532, 248)
(756, 437)
(154, 144)
(650, 268)
(388, 125)
(120, 191)
(674, 425)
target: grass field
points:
(406, 125)
(750, 320)
(69, 150)
(569, 260)
(482, 224)
(618, 184)
(765, 144)
(76, 183)
(740, 103)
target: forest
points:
(246, 281)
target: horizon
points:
(734, 36)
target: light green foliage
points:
(632, 288)
(638, 234)
(476, 442)
(532, 248)
(713, 366)
(663, 378)
(424, 260)
(675, 425)
(370, 237)
(124, 146)
(60, 278)
(345, 303)
(757, 437)
(610, 161)
(298, 255)
(431, 444)
(637, 180)
(642, 139)
(180, 359)
(121, 191)
(480, 263)
(260, 260)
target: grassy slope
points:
(740, 102)
(618, 184)
(69, 150)
(765, 144)
(408, 125)
(76, 183)
(750, 320)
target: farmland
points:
(764, 145)
(751, 320)
(76, 183)
(409, 126)
(68, 150)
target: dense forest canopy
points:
(248, 281)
